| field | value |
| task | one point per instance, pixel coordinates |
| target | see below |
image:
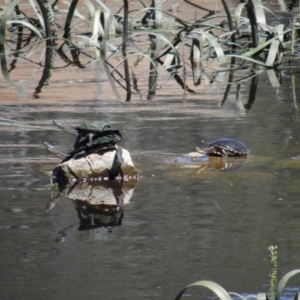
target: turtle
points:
(225, 147)
(55, 151)
(92, 130)
(108, 142)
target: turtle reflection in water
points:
(225, 147)
(222, 165)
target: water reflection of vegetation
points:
(192, 53)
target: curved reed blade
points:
(134, 54)
(172, 48)
(214, 43)
(39, 16)
(259, 12)
(279, 29)
(104, 7)
(238, 99)
(284, 281)
(97, 29)
(260, 20)
(272, 54)
(111, 80)
(4, 17)
(259, 48)
(196, 61)
(158, 14)
(211, 41)
(200, 7)
(252, 19)
(214, 287)
(90, 7)
(237, 16)
(28, 25)
(107, 30)
(177, 19)
(236, 295)
(273, 78)
(230, 23)
(262, 296)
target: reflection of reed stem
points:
(293, 25)
(183, 66)
(158, 14)
(50, 29)
(155, 49)
(294, 93)
(125, 35)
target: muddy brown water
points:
(181, 225)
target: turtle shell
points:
(230, 147)
(98, 126)
(107, 142)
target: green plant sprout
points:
(273, 273)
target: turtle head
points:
(202, 151)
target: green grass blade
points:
(250, 59)
(262, 46)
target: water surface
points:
(181, 224)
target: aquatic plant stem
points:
(273, 274)
(70, 14)
(230, 23)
